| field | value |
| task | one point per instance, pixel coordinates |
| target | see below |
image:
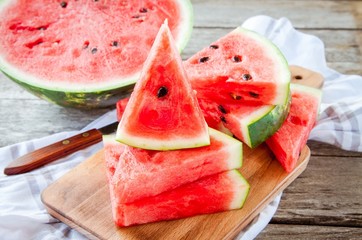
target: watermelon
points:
(163, 112)
(242, 66)
(289, 140)
(212, 193)
(84, 54)
(142, 173)
(218, 192)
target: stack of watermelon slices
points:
(243, 88)
(164, 162)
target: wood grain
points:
(81, 200)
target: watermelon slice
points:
(84, 53)
(241, 66)
(142, 173)
(163, 102)
(218, 192)
(289, 140)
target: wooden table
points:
(325, 202)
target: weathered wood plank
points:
(22, 120)
(302, 232)
(328, 192)
(323, 149)
(313, 14)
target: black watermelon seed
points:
(223, 119)
(204, 59)
(222, 109)
(136, 16)
(63, 4)
(143, 10)
(246, 76)
(237, 58)
(214, 46)
(94, 50)
(253, 94)
(115, 44)
(162, 91)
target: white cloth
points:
(23, 216)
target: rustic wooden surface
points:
(325, 202)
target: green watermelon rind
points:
(95, 95)
(263, 123)
(242, 188)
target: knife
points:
(52, 152)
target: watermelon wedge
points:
(163, 102)
(84, 54)
(242, 66)
(289, 140)
(218, 192)
(141, 173)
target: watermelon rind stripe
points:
(90, 95)
(242, 188)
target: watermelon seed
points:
(237, 58)
(222, 109)
(63, 4)
(204, 59)
(143, 10)
(136, 16)
(162, 91)
(42, 28)
(235, 97)
(253, 94)
(94, 50)
(246, 76)
(298, 77)
(115, 44)
(223, 119)
(214, 46)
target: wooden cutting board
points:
(81, 197)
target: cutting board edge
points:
(281, 187)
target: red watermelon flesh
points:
(289, 140)
(142, 173)
(240, 66)
(163, 112)
(215, 193)
(42, 38)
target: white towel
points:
(23, 216)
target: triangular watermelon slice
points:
(141, 173)
(163, 112)
(289, 140)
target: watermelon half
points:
(141, 173)
(84, 54)
(242, 66)
(289, 140)
(163, 112)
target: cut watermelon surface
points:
(218, 192)
(84, 53)
(141, 173)
(163, 112)
(241, 66)
(289, 140)
(214, 193)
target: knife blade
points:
(52, 152)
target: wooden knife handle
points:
(53, 152)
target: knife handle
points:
(53, 152)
